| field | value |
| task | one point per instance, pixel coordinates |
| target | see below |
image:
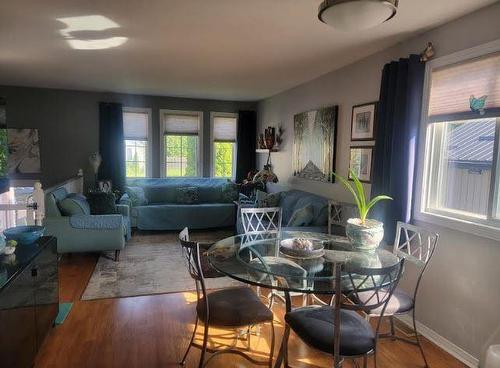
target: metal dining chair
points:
(261, 220)
(417, 246)
(234, 307)
(338, 213)
(340, 330)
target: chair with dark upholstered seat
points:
(417, 246)
(340, 330)
(233, 307)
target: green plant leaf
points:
(348, 186)
(361, 194)
(375, 200)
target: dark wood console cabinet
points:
(29, 301)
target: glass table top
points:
(259, 259)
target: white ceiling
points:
(223, 49)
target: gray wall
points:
(459, 296)
(68, 123)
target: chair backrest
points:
(415, 244)
(191, 253)
(261, 220)
(338, 213)
(366, 289)
(363, 289)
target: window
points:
(224, 144)
(461, 182)
(136, 131)
(181, 148)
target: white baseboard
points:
(443, 343)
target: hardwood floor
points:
(153, 331)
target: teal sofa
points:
(291, 201)
(159, 207)
(85, 232)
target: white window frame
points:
(149, 151)
(487, 228)
(200, 142)
(214, 114)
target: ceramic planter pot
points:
(365, 236)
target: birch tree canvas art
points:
(314, 144)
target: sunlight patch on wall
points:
(86, 32)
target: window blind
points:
(135, 125)
(181, 124)
(453, 86)
(224, 129)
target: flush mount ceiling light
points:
(350, 15)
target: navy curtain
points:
(246, 144)
(111, 145)
(396, 140)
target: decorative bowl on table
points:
(302, 248)
(24, 235)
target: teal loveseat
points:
(84, 232)
(155, 205)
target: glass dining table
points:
(265, 260)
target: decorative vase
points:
(367, 236)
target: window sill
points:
(465, 226)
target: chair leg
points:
(365, 361)
(286, 335)
(271, 353)
(393, 329)
(418, 338)
(117, 255)
(183, 361)
(204, 347)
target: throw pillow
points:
(102, 203)
(188, 195)
(136, 195)
(263, 199)
(301, 217)
(230, 192)
(74, 205)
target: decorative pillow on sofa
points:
(188, 195)
(263, 199)
(136, 195)
(301, 217)
(230, 192)
(102, 203)
(74, 205)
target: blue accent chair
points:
(85, 233)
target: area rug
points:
(145, 269)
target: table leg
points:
(284, 341)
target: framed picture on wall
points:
(363, 122)
(361, 162)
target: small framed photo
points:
(104, 186)
(363, 122)
(361, 162)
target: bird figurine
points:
(428, 53)
(478, 104)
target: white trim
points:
(445, 344)
(200, 139)
(213, 114)
(149, 153)
(422, 187)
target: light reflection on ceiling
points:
(87, 32)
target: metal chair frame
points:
(192, 257)
(271, 215)
(417, 246)
(381, 283)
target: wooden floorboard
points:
(153, 331)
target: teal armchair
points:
(85, 232)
